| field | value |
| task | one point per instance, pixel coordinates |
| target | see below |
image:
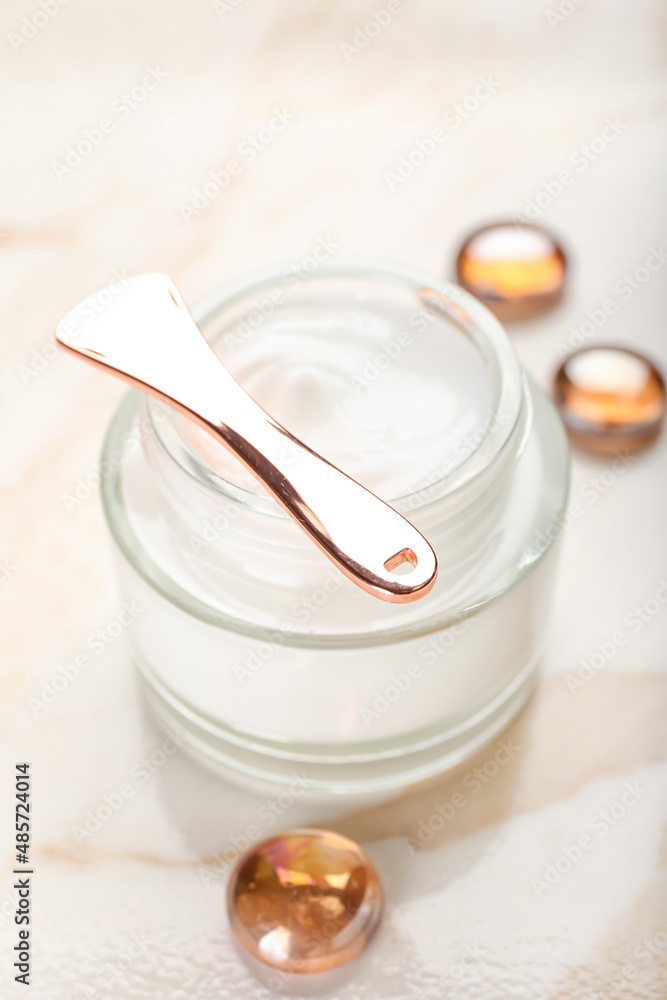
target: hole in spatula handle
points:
(401, 563)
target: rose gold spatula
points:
(142, 332)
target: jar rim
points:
(456, 305)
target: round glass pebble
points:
(610, 398)
(305, 901)
(516, 269)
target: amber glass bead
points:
(516, 269)
(305, 901)
(610, 399)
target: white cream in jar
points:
(249, 641)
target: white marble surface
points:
(129, 912)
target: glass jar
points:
(250, 644)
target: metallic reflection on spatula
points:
(141, 331)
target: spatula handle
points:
(142, 331)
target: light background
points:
(325, 176)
